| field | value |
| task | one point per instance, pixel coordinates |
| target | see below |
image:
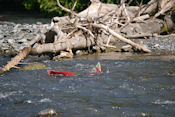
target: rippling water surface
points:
(126, 88)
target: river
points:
(131, 85)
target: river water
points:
(131, 85)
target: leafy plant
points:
(50, 6)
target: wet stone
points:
(34, 66)
(47, 113)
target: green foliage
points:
(50, 6)
(29, 4)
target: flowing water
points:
(130, 86)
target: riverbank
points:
(14, 36)
(159, 44)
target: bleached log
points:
(137, 46)
(75, 43)
(16, 60)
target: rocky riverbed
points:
(15, 36)
(164, 44)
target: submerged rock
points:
(34, 66)
(47, 113)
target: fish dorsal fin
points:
(97, 68)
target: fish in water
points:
(64, 73)
(95, 70)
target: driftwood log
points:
(102, 25)
(22, 54)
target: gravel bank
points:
(164, 44)
(16, 36)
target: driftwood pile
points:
(101, 25)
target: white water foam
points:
(164, 102)
(7, 94)
(45, 100)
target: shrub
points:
(50, 6)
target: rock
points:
(34, 66)
(97, 49)
(156, 45)
(127, 48)
(36, 30)
(34, 26)
(1, 36)
(1, 52)
(39, 23)
(117, 49)
(43, 30)
(26, 30)
(11, 41)
(47, 113)
(102, 48)
(80, 52)
(1, 42)
(23, 40)
(64, 54)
